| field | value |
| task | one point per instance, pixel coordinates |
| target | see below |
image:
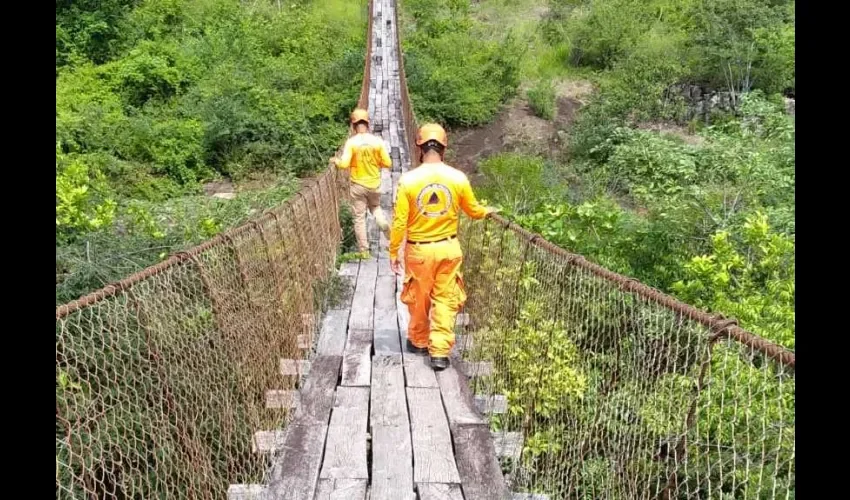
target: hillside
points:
(650, 136)
(176, 119)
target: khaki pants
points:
(361, 199)
(434, 292)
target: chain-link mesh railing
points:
(161, 378)
(614, 390)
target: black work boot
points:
(439, 364)
(416, 350)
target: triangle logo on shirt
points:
(434, 199)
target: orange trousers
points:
(434, 292)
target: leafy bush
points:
(452, 86)
(743, 44)
(208, 86)
(751, 279)
(153, 98)
(525, 182)
(726, 44)
(602, 31)
(83, 201)
(646, 164)
(89, 29)
(541, 99)
(660, 200)
(706, 215)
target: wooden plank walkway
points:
(372, 421)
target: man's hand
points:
(493, 210)
(335, 161)
(395, 265)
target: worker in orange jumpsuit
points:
(365, 155)
(427, 210)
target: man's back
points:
(430, 198)
(365, 154)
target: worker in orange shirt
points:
(428, 204)
(365, 154)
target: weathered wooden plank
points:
(386, 317)
(481, 475)
(508, 444)
(349, 269)
(433, 458)
(457, 397)
(267, 441)
(389, 406)
(384, 268)
(385, 306)
(295, 472)
(417, 369)
(477, 368)
(386, 342)
(356, 363)
(317, 395)
(382, 251)
(294, 367)
(496, 403)
(333, 334)
(362, 312)
(373, 233)
(386, 180)
(439, 491)
(281, 399)
(341, 489)
(345, 450)
(247, 492)
(387, 206)
(392, 462)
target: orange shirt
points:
(365, 154)
(428, 204)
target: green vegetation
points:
(700, 208)
(541, 99)
(156, 97)
(455, 74)
(649, 204)
(655, 208)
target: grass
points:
(521, 18)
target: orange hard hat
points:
(432, 132)
(359, 115)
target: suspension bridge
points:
(250, 367)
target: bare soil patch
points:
(518, 129)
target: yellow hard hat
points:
(359, 115)
(432, 132)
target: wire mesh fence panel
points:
(611, 394)
(743, 442)
(161, 379)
